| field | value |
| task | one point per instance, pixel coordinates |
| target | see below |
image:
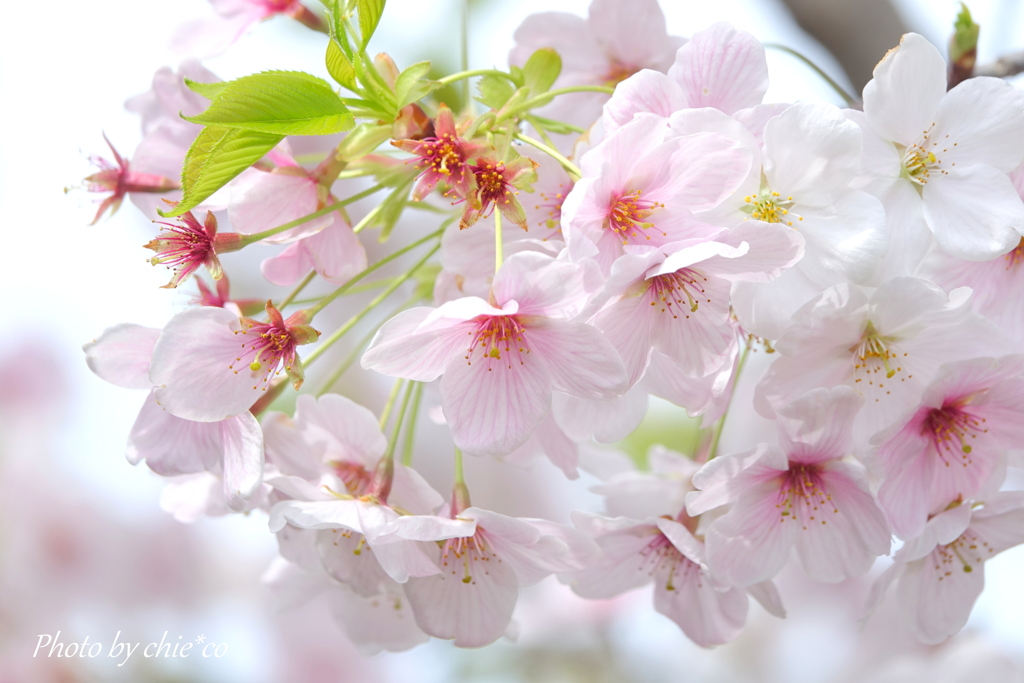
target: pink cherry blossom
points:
(954, 149)
(720, 67)
(641, 185)
(210, 36)
(501, 362)
(209, 364)
(496, 187)
(485, 558)
(443, 157)
(676, 299)
(941, 573)
(189, 244)
(887, 347)
(953, 445)
(232, 447)
(119, 180)
(657, 539)
(801, 495)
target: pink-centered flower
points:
(444, 157)
(641, 185)
(500, 361)
(953, 445)
(209, 364)
(887, 346)
(485, 557)
(232, 447)
(119, 180)
(656, 539)
(188, 244)
(800, 495)
(497, 184)
(676, 299)
(946, 155)
(940, 574)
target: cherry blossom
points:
(953, 445)
(500, 362)
(210, 36)
(954, 149)
(800, 495)
(209, 364)
(170, 445)
(119, 180)
(444, 157)
(887, 347)
(941, 573)
(189, 244)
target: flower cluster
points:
(655, 223)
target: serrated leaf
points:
(541, 70)
(207, 90)
(215, 157)
(407, 80)
(517, 75)
(278, 102)
(339, 66)
(370, 12)
(495, 91)
(379, 92)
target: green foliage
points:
(340, 66)
(541, 70)
(370, 12)
(391, 209)
(965, 35)
(365, 138)
(412, 84)
(495, 91)
(216, 156)
(278, 102)
(207, 90)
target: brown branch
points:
(1008, 65)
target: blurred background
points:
(85, 548)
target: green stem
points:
(410, 387)
(249, 239)
(847, 97)
(348, 286)
(357, 349)
(298, 290)
(713, 449)
(390, 403)
(459, 477)
(541, 100)
(341, 331)
(547, 123)
(358, 228)
(410, 430)
(572, 169)
(532, 120)
(499, 242)
(470, 74)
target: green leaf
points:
(339, 66)
(409, 87)
(278, 102)
(369, 16)
(216, 156)
(495, 91)
(392, 210)
(365, 138)
(379, 92)
(207, 90)
(541, 70)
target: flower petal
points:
(723, 68)
(121, 355)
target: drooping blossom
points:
(485, 558)
(232, 447)
(953, 445)
(615, 41)
(188, 244)
(210, 36)
(118, 180)
(940, 574)
(654, 538)
(500, 361)
(953, 149)
(220, 296)
(719, 67)
(444, 157)
(209, 364)
(641, 186)
(676, 299)
(262, 200)
(496, 186)
(887, 346)
(800, 495)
